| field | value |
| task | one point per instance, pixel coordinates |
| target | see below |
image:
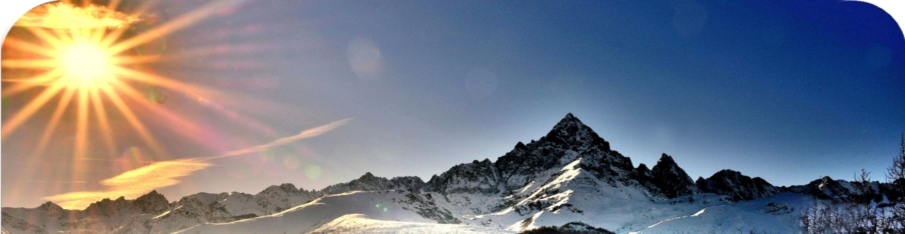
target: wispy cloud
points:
(134, 183)
(66, 16)
(282, 141)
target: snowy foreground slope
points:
(569, 175)
(363, 212)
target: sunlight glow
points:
(75, 66)
(82, 59)
(133, 183)
(85, 71)
(141, 180)
(86, 63)
(64, 16)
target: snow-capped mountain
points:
(569, 178)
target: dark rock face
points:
(412, 183)
(736, 187)
(475, 177)
(108, 208)
(568, 140)
(369, 182)
(643, 171)
(569, 228)
(671, 180)
(644, 178)
(571, 131)
(846, 191)
(285, 188)
(151, 203)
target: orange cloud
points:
(66, 16)
(133, 183)
(142, 180)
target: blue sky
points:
(786, 90)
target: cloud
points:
(134, 183)
(163, 173)
(313, 132)
(66, 16)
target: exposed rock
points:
(151, 203)
(736, 186)
(547, 176)
(846, 191)
(671, 179)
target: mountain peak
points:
(665, 159)
(287, 188)
(671, 179)
(152, 202)
(570, 116)
(152, 194)
(568, 121)
(49, 206)
(736, 186)
(570, 130)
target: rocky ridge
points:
(548, 176)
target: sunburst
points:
(86, 64)
(82, 62)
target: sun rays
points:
(81, 60)
(160, 174)
(84, 83)
(81, 73)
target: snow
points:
(585, 182)
(553, 197)
(161, 215)
(699, 213)
(757, 216)
(359, 223)
(379, 205)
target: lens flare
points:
(291, 162)
(79, 56)
(87, 64)
(313, 172)
(74, 74)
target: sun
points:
(78, 61)
(79, 68)
(86, 64)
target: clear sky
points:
(785, 90)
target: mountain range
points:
(568, 179)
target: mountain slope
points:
(569, 175)
(390, 206)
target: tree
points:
(896, 173)
(896, 176)
(864, 213)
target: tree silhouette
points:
(896, 173)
